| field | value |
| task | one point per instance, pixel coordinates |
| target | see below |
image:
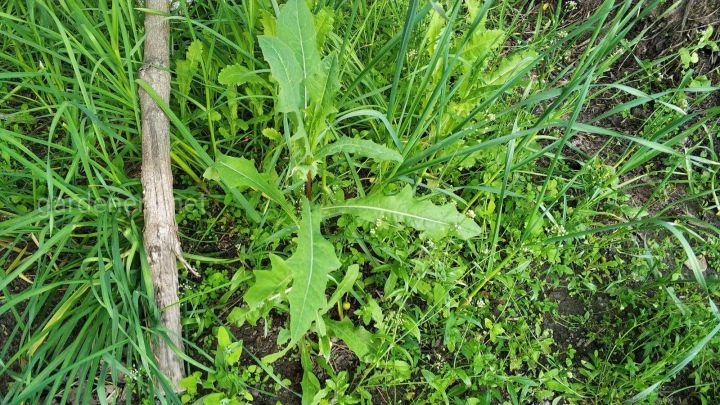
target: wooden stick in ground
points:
(161, 242)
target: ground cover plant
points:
(456, 201)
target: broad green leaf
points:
(481, 45)
(296, 29)
(362, 147)
(241, 173)
(191, 382)
(239, 315)
(510, 66)
(215, 399)
(310, 383)
(347, 283)
(236, 75)
(223, 337)
(311, 263)
(322, 86)
(357, 338)
(436, 221)
(287, 72)
(233, 352)
(268, 283)
(273, 357)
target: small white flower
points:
(175, 5)
(470, 214)
(491, 117)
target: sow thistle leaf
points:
(310, 384)
(311, 263)
(357, 338)
(223, 337)
(286, 71)
(324, 22)
(510, 66)
(186, 69)
(296, 29)
(322, 86)
(362, 147)
(436, 221)
(268, 283)
(191, 382)
(344, 287)
(241, 173)
(481, 45)
(195, 52)
(237, 75)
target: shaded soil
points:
(261, 340)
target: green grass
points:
(570, 257)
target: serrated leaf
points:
(268, 283)
(236, 75)
(268, 22)
(286, 71)
(510, 66)
(437, 22)
(482, 44)
(194, 52)
(296, 28)
(241, 173)
(324, 22)
(311, 263)
(357, 338)
(362, 147)
(185, 70)
(272, 134)
(436, 221)
(322, 87)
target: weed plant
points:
(407, 201)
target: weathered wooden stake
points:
(161, 241)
